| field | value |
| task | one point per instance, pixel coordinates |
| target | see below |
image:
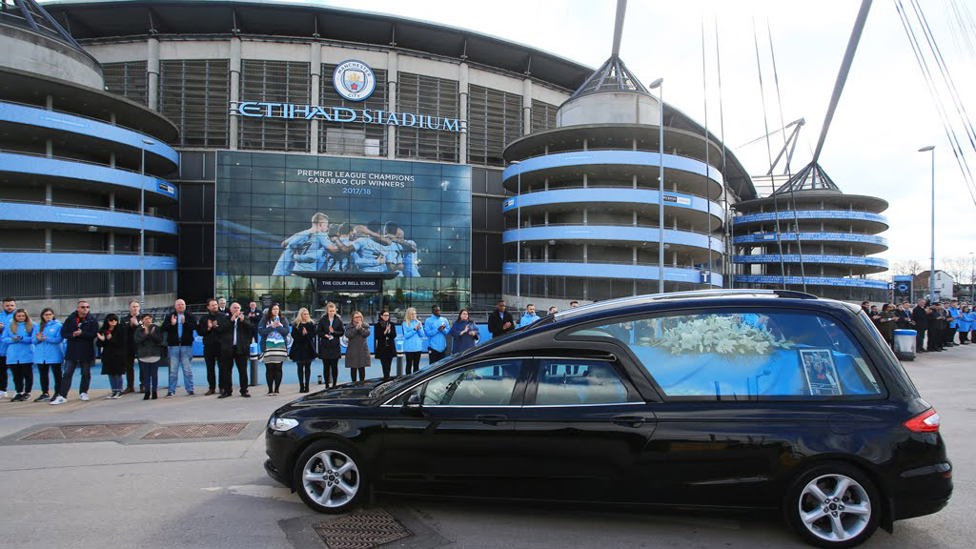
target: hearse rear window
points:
(745, 355)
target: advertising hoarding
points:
(288, 224)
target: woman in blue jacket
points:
(464, 332)
(48, 353)
(413, 340)
(19, 337)
(967, 321)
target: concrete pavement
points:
(128, 491)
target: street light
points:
(142, 221)
(931, 148)
(518, 236)
(659, 85)
(972, 277)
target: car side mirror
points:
(413, 406)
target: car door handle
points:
(628, 420)
(491, 419)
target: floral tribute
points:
(724, 335)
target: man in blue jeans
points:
(179, 327)
(78, 331)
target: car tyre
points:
(833, 505)
(330, 477)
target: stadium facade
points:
(408, 138)
(82, 176)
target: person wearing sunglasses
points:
(79, 330)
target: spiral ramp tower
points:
(584, 219)
(76, 165)
(808, 235)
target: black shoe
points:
(145, 396)
(245, 394)
(224, 395)
(154, 395)
(17, 398)
(43, 397)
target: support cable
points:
(782, 121)
(845, 69)
(940, 108)
(769, 154)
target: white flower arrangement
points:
(724, 335)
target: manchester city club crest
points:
(354, 80)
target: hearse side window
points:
(745, 355)
(483, 384)
(573, 382)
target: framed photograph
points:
(820, 372)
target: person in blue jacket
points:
(6, 317)
(18, 335)
(48, 354)
(529, 316)
(952, 315)
(464, 333)
(966, 320)
(79, 330)
(413, 340)
(436, 328)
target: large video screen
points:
(287, 222)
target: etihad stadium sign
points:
(353, 80)
(291, 111)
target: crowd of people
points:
(135, 341)
(936, 324)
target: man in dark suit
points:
(937, 325)
(222, 307)
(207, 328)
(235, 334)
(904, 315)
(500, 321)
(921, 318)
(253, 315)
(128, 324)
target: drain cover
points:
(195, 430)
(84, 432)
(361, 530)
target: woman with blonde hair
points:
(19, 336)
(303, 347)
(413, 340)
(357, 350)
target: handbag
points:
(274, 352)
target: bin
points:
(252, 374)
(905, 344)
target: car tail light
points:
(926, 422)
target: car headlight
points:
(282, 424)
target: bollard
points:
(253, 371)
(399, 365)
